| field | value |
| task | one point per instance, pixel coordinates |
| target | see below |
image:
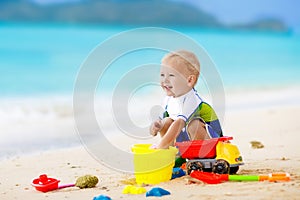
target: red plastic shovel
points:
(210, 178)
(46, 184)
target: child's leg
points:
(166, 124)
(197, 130)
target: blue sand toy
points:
(177, 172)
(157, 192)
(102, 197)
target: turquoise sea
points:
(39, 59)
(39, 64)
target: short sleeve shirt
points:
(182, 107)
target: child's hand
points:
(153, 146)
(156, 127)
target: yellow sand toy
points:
(217, 155)
(152, 166)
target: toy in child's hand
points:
(46, 184)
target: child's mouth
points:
(168, 87)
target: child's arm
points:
(155, 127)
(171, 134)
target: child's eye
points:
(171, 75)
(162, 75)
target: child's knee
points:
(166, 123)
(197, 130)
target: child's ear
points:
(192, 80)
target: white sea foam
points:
(250, 99)
(30, 124)
(35, 124)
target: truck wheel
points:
(233, 170)
(220, 167)
(192, 166)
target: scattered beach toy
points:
(216, 154)
(87, 181)
(179, 162)
(130, 189)
(256, 145)
(183, 166)
(46, 184)
(177, 172)
(128, 181)
(212, 178)
(153, 166)
(102, 197)
(157, 192)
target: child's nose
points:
(166, 79)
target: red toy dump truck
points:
(217, 155)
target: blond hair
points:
(184, 58)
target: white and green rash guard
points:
(190, 106)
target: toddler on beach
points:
(186, 115)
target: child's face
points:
(174, 79)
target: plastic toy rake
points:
(212, 178)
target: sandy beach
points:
(79, 89)
(276, 127)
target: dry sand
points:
(276, 128)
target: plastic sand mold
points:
(157, 192)
(130, 189)
(177, 172)
(102, 197)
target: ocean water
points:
(45, 58)
(39, 64)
